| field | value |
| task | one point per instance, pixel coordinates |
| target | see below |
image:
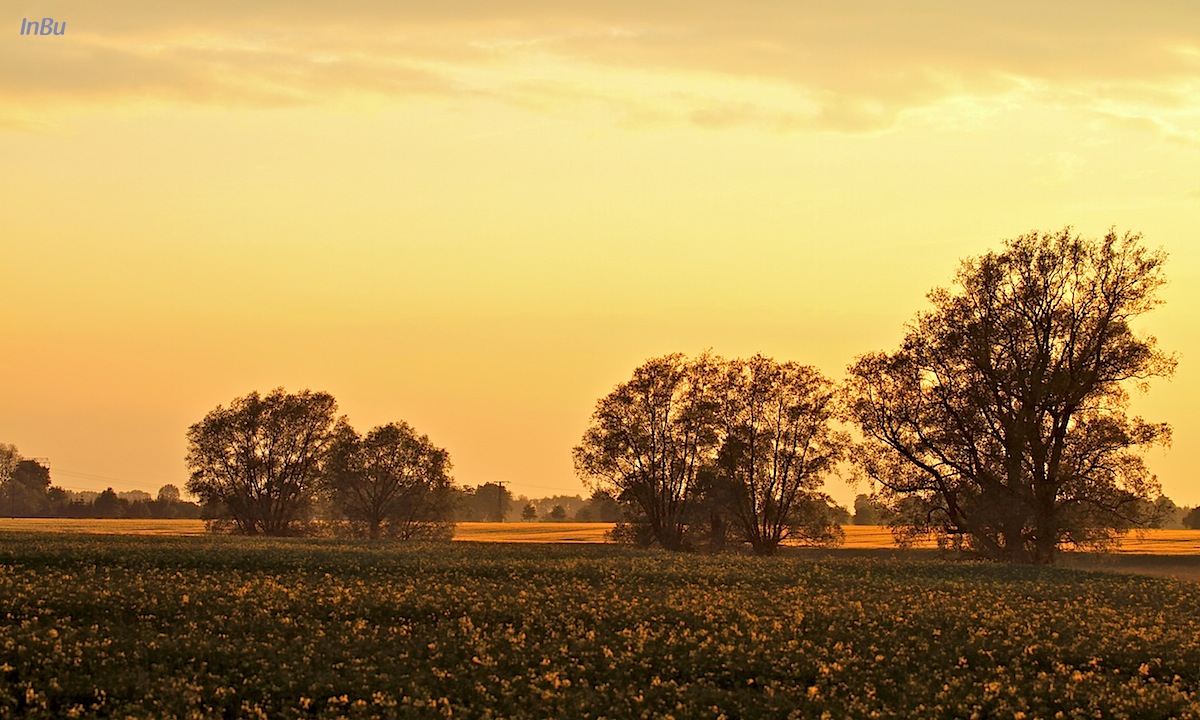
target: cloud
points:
(844, 66)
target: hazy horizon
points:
(480, 217)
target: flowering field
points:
(122, 625)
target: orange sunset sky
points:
(480, 216)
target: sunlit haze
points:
(479, 217)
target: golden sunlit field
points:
(533, 532)
(474, 532)
(1162, 553)
(122, 625)
(858, 537)
(92, 526)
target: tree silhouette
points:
(649, 439)
(392, 481)
(1000, 420)
(261, 458)
(778, 446)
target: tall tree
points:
(1002, 417)
(649, 439)
(392, 481)
(9, 458)
(24, 485)
(779, 445)
(261, 458)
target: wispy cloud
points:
(850, 67)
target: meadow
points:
(122, 625)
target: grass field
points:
(140, 626)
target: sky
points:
(479, 217)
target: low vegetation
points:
(218, 626)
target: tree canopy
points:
(649, 439)
(687, 442)
(778, 445)
(1001, 420)
(261, 458)
(393, 481)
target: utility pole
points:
(500, 499)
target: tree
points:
(1191, 520)
(870, 511)
(1001, 418)
(529, 512)
(109, 505)
(571, 504)
(1166, 513)
(59, 500)
(9, 457)
(604, 506)
(839, 515)
(778, 446)
(649, 438)
(33, 475)
(392, 481)
(261, 458)
(25, 484)
(138, 509)
(557, 514)
(168, 494)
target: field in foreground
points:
(119, 625)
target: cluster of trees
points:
(269, 464)
(492, 502)
(870, 510)
(26, 491)
(698, 449)
(133, 504)
(1000, 425)
(599, 507)
(1169, 515)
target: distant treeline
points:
(870, 511)
(26, 491)
(133, 504)
(491, 502)
(482, 503)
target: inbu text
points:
(45, 26)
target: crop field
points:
(150, 626)
(1150, 542)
